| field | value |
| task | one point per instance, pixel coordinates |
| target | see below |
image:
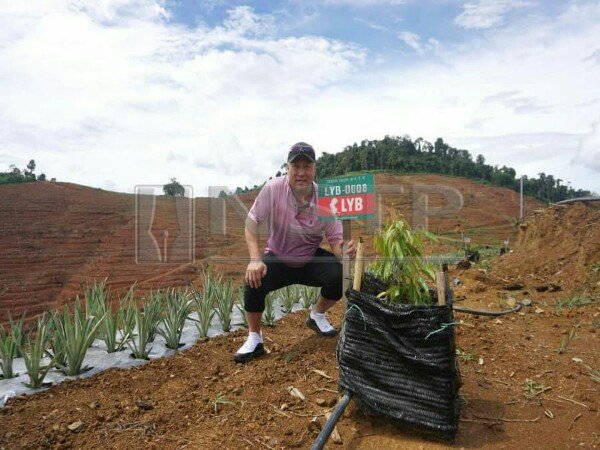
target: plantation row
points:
(60, 340)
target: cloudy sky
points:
(115, 93)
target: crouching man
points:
(293, 255)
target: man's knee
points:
(333, 272)
(254, 299)
(333, 282)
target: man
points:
(293, 254)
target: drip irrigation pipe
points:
(480, 312)
(331, 422)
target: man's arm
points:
(256, 267)
(260, 211)
(251, 233)
(336, 249)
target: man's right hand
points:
(254, 273)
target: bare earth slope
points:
(58, 237)
(560, 246)
(525, 383)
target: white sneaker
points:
(319, 323)
(252, 347)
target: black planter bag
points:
(399, 360)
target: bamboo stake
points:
(358, 265)
(347, 235)
(440, 282)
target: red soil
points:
(59, 237)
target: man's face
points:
(301, 173)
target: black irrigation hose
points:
(331, 422)
(479, 312)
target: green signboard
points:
(348, 197)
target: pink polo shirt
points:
(294, 235)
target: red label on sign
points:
(347, 205)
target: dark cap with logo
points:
(301, 150)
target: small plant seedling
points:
(573, 302)
(34, 354)
(309, 296)
(220, 400)
(464, 356)
(531, 389)
(288, 296)
(402, 264)
(178, 308)
(224, 301)
(268, 318)
(205, 310)
(8, 349)
(566, 340)
(594, 374)
(240, 306)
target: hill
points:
(59, 237)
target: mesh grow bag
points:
(398, 360)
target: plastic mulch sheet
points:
(398, 360)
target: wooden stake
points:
(358, 265)
(345, 260)
(440, 282)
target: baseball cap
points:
(299, 150)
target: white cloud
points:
(411, 39)
(113, 99)
(518, 103)
(364, 3)
(482, 14)
(242, 20)
(589, 148)
(593, 57)
(372, 25)
(414, 41)
(126, 97)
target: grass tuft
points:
(573, 302)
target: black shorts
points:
(323, 270)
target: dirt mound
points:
(556, 248)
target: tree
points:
(174, 188)
(31, 166)
(401, 155)
(41, 177)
